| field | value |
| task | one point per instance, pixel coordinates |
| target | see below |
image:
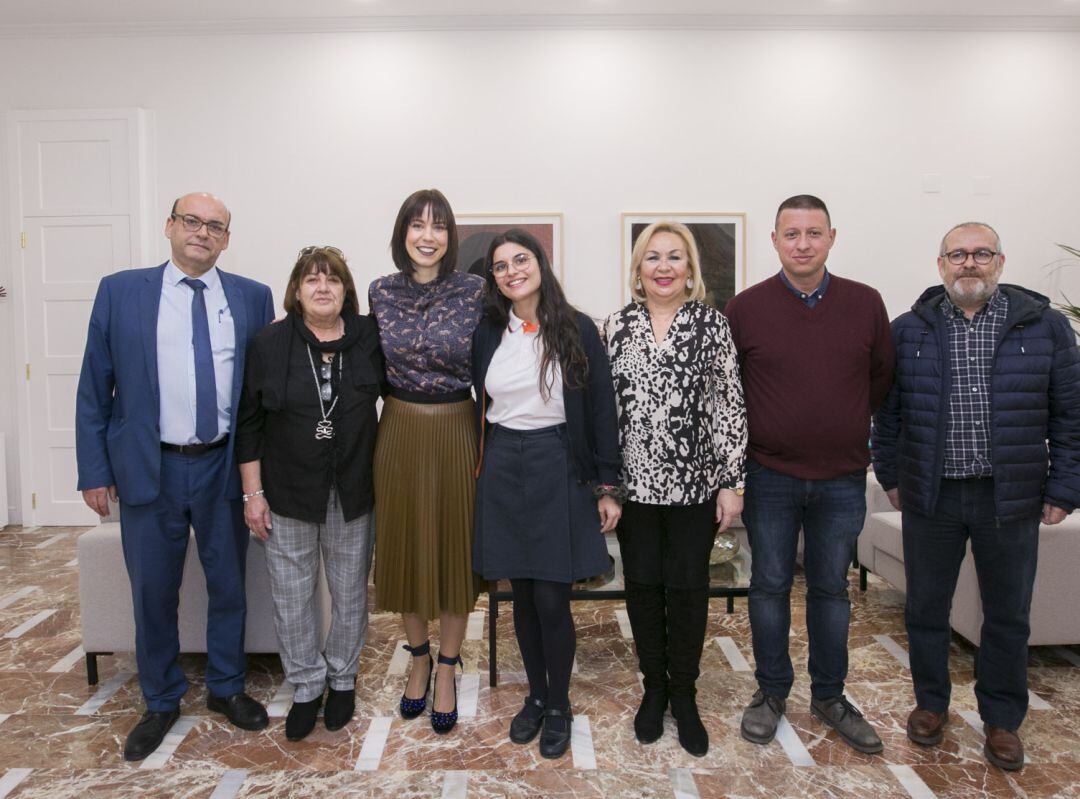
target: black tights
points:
(545, 635)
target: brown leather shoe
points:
(1003, 748)
(926, 727)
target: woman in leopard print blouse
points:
(682, 432)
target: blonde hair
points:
(697, 291)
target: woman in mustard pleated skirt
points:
(426, 448)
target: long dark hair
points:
(413, 208)
(559, 330)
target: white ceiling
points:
(109, 16)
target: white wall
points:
(317, 138)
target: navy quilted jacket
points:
(1035, 436)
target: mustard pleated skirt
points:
(424, 495)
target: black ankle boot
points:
(340, 706)
(692, 734)
(301, 719)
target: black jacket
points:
(278, 412)
(591, 421)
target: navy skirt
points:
(533, 518)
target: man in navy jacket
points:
(979, 439)
(156, 404)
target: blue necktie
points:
(206, 414)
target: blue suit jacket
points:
(117, 436)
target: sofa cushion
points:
(887, 533)
(105, 597)
(1053, 622)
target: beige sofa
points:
(105, 599)
(1053, 617)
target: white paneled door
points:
(78, 196)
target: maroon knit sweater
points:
(812, 376)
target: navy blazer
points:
(117, 435)
(591, 423)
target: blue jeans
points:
(830, 513)
(1005, 557)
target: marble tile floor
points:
(60, 737)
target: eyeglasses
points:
(192, 224)
(326, 388)
(980, 256)
(520, 261)
(312, 248)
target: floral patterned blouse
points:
(426, 329)
(682, 421)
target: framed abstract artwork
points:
(721, 243)
(476, 232)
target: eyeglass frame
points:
(175, 216)
(311, 249)
(973, 254)
(519, 260)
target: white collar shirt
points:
(513, 382)
(176, 354)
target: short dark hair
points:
(324, 262)
(802, 202)
(413, 208)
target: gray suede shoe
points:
(838, 713)
(761, 716)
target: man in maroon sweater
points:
(816, 358)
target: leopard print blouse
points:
(682, 421)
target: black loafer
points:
(147, 735)
(340, 706)
(528, 721)
(555, 739)
(301, 719)
(241, 710)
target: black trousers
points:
(1005, 559)
(665, 554)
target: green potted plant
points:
(1068, 308)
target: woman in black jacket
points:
(305, 441)
(548, 467)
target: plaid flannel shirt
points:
(971, 360)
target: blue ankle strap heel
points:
(442, 723)
(411, 708)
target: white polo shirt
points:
(513, 382)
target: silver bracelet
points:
(252, 495)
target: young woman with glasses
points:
(548, 468)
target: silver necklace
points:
(324, 428)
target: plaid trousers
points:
(292, 559)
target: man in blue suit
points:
(157, 401)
